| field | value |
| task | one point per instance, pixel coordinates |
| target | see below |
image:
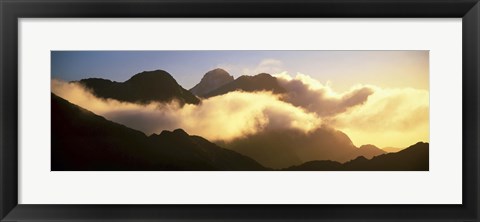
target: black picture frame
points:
(12, 10)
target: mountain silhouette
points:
(413, 158)
(368, 151)
(144, 87)
(84, 141)
(211, 81)
(260, 82)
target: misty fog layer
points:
(225, 117)
(367, 114)
(306, 92)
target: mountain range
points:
(260, 82)
(82, 140)
(218, 82)
(144, 87)
(413, 158)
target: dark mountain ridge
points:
(144, 87)
(413, 158)
(260, 82)
(368, 151)
(210, 81)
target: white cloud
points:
(367, 114)
(224, 117)
(390, 117)
(306, 92)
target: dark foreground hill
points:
(260, 82)
(84, 141)
(413, 158)
(144, 87)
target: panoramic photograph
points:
(240, 110)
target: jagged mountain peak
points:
(217, 72)
(212, 80)
(259, 82)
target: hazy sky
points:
(342, 69)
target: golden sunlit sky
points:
(379, 97)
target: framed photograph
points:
(225, 110)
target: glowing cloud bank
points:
(366, 113)
(224, 117)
